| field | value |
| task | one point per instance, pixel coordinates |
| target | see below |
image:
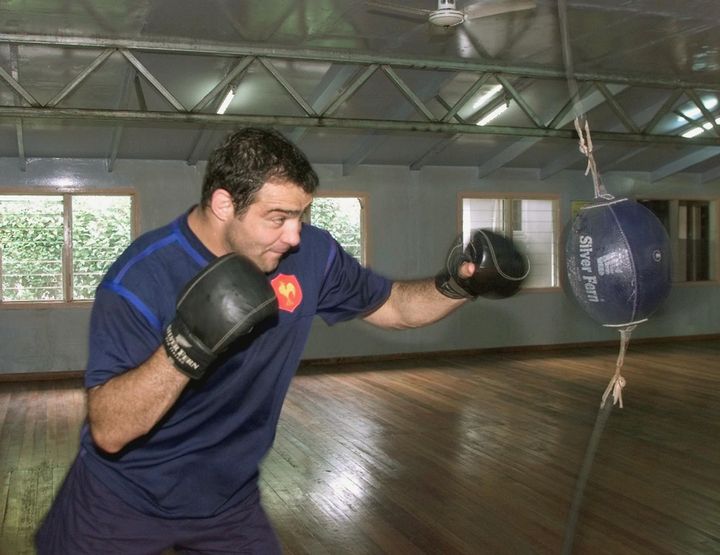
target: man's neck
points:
(207, 229)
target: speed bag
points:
(617, 255)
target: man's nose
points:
(291, 233)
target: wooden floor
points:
(452, 455)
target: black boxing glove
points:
(223, 302)
(499, 267)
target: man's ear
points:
(221, 205)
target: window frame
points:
(673, 235)
(554, 198)
(363, 199)
(67, 253)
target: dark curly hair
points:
(249, 158)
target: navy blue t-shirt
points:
(204, 455)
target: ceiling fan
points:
(447, 14)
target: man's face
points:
(270, 227)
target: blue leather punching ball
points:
(618, 261)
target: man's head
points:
(248, 159)
(257, 187)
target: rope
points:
(586, 148)
(615, 386)
(600, 421)
(617, 382)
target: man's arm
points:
(413, 304)
(221, 303)
(488, 266)
(129, 405)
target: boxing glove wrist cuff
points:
(186, 352)
(451, 288)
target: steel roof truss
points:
(448, 122)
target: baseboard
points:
(313, 362)
(41, 376)
(328, 361)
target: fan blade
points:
(486, 8)
(397, 9)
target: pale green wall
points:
(412, 218)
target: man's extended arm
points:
(488, 266)
(413, 304)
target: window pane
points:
(31, 239)
(530, 223)
(538, 241)
(101, 230)
(342, 217)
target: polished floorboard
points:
(456, 454)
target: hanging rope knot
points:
(584, 139)
(586, 147)
(617, 382)
(616, 386)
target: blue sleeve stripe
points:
(175, 236)
(135, 301)
(116, 286)
(142, 254)
(331, 257)
(185, 244)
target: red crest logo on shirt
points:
(288, 292)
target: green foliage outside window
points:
(101, 231)
(342, 217)
(33, 236)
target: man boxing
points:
(191, 355)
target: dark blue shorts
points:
(87, 518)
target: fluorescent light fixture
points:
(695, 112)
(493, 114)
(226, 101)
(695, 131)
(484, 99)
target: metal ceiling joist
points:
(130, 57)
(230, 120)
(84, 74)
(351, 89)
(562, 162)
(371, 142)
(524, 106)
(19, 136)
(232, 76)
(710, 175)
(516, 149)
(465, 98)
(683, 163)
(366, 65)
(222, 49)
(409, 94)
(297, 97)
(325, 91)
(118, 129)
(18, 88)
(705, 112)
(615, 106)
(664, 110)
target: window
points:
(57, 247)
(692, 228)
(530, 222)
(344, 218)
